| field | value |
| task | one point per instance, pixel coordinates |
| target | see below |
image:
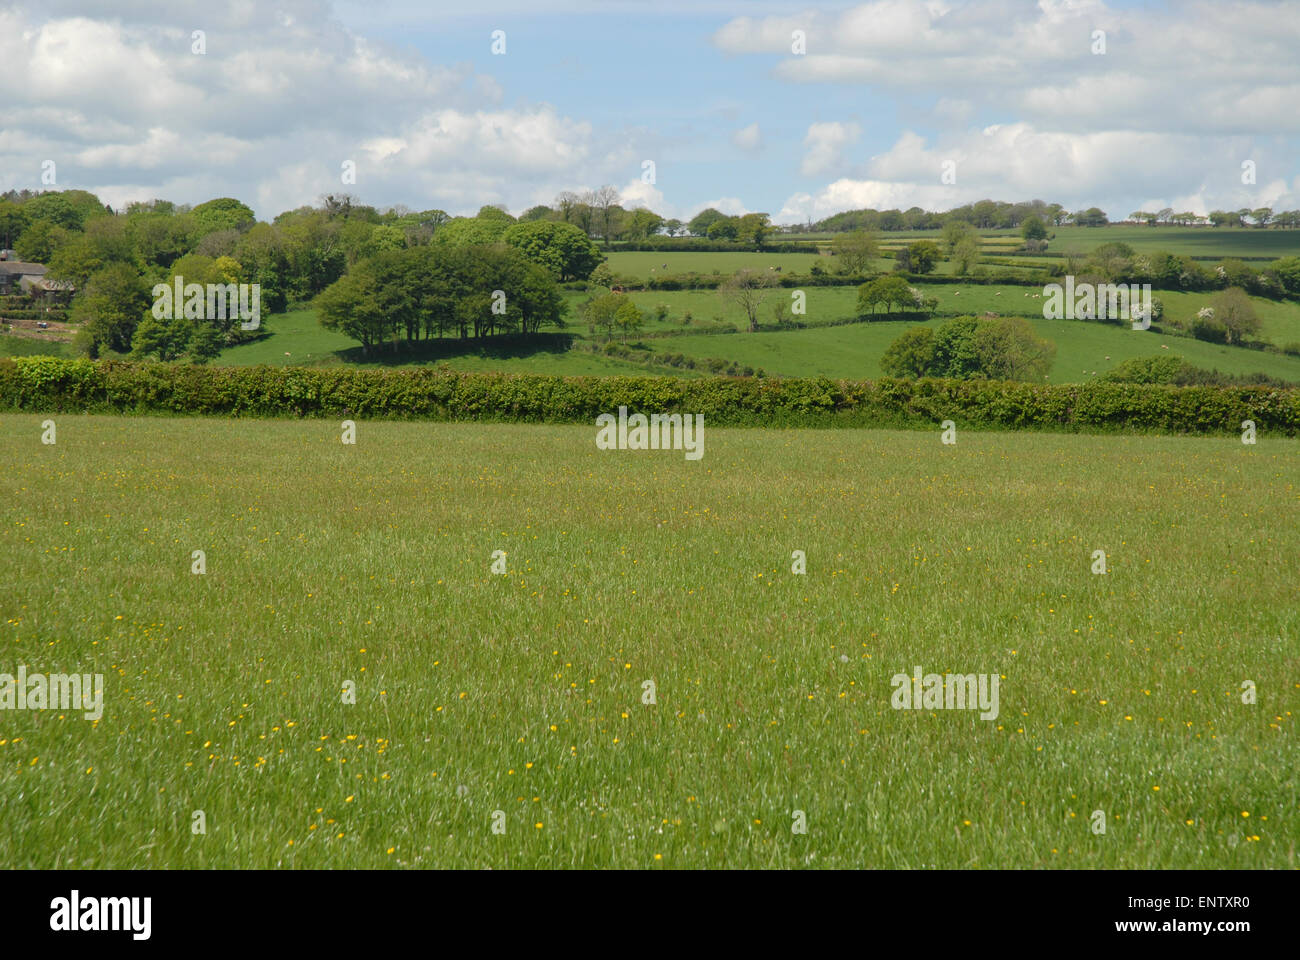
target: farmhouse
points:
(13, 273)
(19, 277)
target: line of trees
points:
(982, 215)
(998, 215)
(1258, 217)
(599, 214)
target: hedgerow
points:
(43, 384)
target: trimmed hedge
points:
(33, 313)
(52, 384)
(701, 281)
(705, 245)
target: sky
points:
(795, 110)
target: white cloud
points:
(826, 143)
(640, 194)
(731, 206)
(1021, 161)
(1203, 65)
(270, 112)
(1182, 94)
(747, 138)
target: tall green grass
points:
(523, 693)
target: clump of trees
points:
(1033, 228)
(890, 292)
(1229, 318)
(611, 313)
(750, 229)
(962, 245)
(438, 291)
(969, 348)
(561, 248)
(1176, 371)
(855, 250)
(917, 257)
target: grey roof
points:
(22, 269)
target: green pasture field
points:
(646, 265)
(295, 339)
(1083, 350)
(1214, 242)
(523, 698)
(15, 346)
(1280, 320)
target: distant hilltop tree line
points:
(1245, 217)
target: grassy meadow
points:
(1217, 242)
(648, 264)
(1084, 350)
(330, 565)
(297, 339)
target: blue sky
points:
(1012, 96)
